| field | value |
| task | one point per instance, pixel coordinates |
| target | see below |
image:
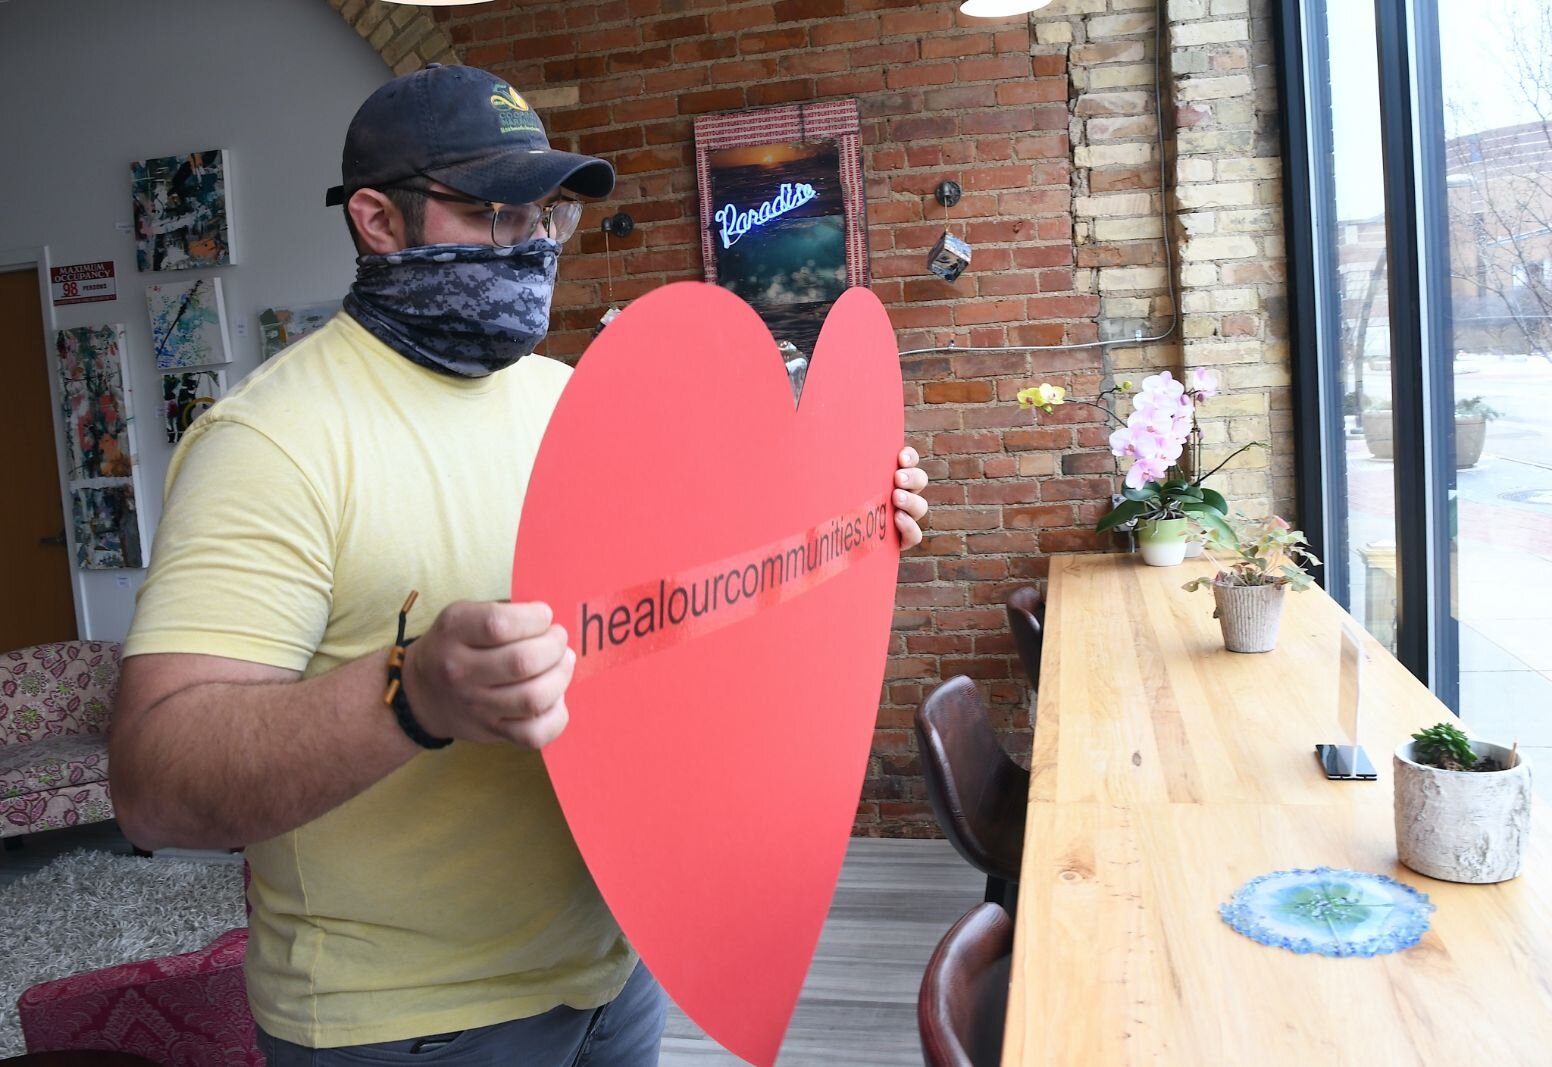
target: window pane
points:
(1365, 528)
(1496, 66)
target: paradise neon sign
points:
(735, 223)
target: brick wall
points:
(1224, 195)
(1048, 123)
(404, 35)
(1228, 175)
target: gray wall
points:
(88, 85)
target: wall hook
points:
(948, 193)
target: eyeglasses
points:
(512, 224)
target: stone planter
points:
(1162, 542)
(1249, 615)
(1470, 438)
(1378, 434)
(1462, 826)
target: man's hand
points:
(910, 508)
(491, 672)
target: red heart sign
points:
(724, 565)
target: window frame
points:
(1417, 276)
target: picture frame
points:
(281, 327)
(182, 215)
(783, 211)
(186, 395)
(188, 323)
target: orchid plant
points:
(1161, 427)
(1264, 552)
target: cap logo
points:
(511, 109)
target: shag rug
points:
(88, 910)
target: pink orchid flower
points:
(1204, 382)
(1163, 383)
(1141, 473)
(1121, 443)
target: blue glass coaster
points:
(1329, 911)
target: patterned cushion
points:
(53, 763)
(65, 687)
(182, 1011)
(55, 700)
(37, 812)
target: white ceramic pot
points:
(1193, 548)
(1462, 826)
(1249, 615)
(1162, 542)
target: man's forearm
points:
(222, 764)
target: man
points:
(408, 895)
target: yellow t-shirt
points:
(300, 512)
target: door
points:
(37, 603)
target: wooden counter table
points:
(1166, 773)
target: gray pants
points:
(625, 1032)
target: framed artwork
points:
(282, 326)
(106, 525)
(181, 211)
(188, 323)
(186, 396)
(782, 210)
(96, 411)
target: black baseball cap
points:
(467, 129)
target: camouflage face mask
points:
(468, 310)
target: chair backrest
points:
(978, 794)
(64, 687)
(1026, 618)
(964, 993)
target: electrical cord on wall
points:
(1169, 263)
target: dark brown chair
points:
(1026, 618)
(964, 994)
(977, 792)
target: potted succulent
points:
(1159, 496)
(1472, 415)
(1462, 806)
(1257, 562)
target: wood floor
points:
(858, 1008)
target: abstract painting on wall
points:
(181, 211)
(279, 327)
(186, 396)
(107, 526)
(188, 323)
(95, 407)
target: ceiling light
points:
(996, 9)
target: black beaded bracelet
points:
(395, 695)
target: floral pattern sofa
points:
(55, 701)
